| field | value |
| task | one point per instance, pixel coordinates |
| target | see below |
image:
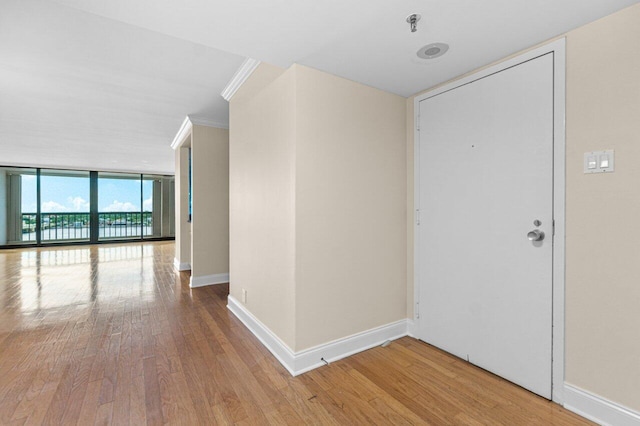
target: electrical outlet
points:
(244, 296)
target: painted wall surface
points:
(602, 229)
(260, 78)
(210, 201)
(350, 208)
(411, 209)
(182, 226)
(262, 200)
(603, 289)
(3, 207)
(318, 195)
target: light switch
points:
(599, 161)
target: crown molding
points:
(187, 125)
(248, 66)
(185, 130)
(203, 121)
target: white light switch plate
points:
(595, 159)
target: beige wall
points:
(350, 208)
(261, 77)
(603, 230)
(318, 205)
(602, 211)
(262, 197)
(210, 201)
(182, 226)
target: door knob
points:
(535, 235)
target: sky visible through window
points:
(71, 194)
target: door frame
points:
(558, 48)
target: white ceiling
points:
(108, 83)
(81, 91)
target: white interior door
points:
(485, 177)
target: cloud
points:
(118, 206)
(79, 204)
(53, 207)
(73, 204)
(147, 205)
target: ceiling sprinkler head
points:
(413, 21)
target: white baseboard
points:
(181, 266)
(309, 359)
(277, 347)
(583, 403)
(300, 362)
(412, 329)
(208, 280)
(598, 409)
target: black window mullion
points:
(141, 207)
(38, 210)
(94, 230)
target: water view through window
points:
(46, 206)
(64, 206)
(119, 204)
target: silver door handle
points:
(535, 235)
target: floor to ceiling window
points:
(120, 206)
(45, 206)
(64, 205)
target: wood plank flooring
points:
(112, 334)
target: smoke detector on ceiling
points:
(433, 50)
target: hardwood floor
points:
(112, 334)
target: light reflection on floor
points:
(45, 285)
